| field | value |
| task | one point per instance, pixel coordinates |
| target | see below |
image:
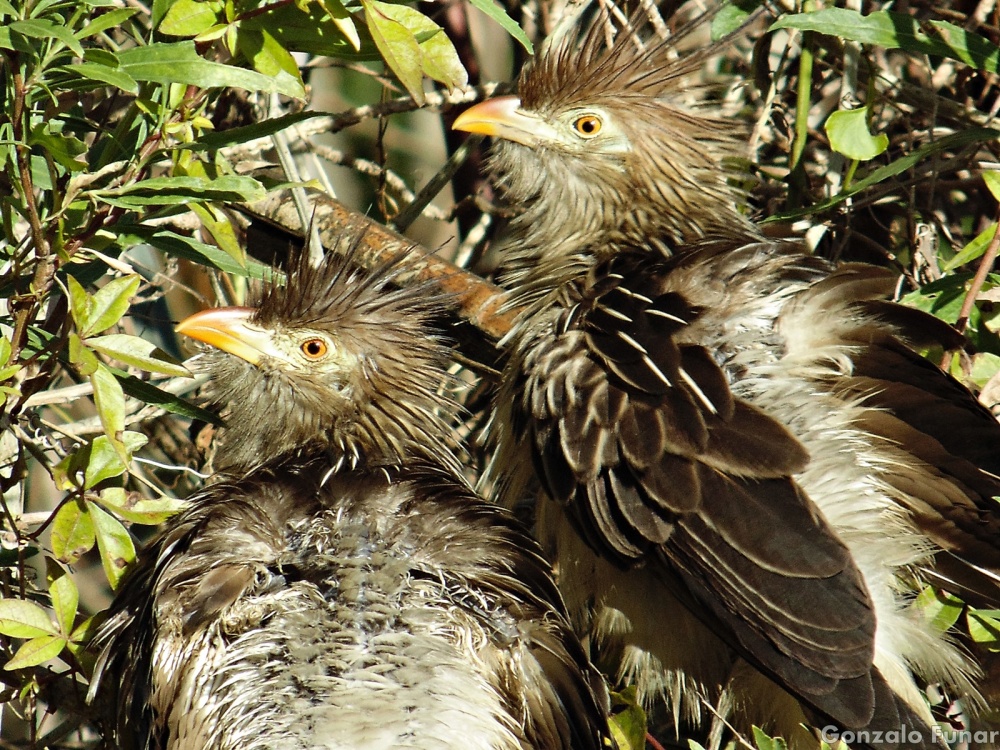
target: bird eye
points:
(588, 125)
(314, 348)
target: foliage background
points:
(144, 149)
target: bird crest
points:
(347, 362)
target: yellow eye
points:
(588, 125)
(314, 348)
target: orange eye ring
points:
(314, 348)
(588, 126)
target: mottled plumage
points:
(340, 585)
(748, 469)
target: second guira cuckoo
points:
(747, 470)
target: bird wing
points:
(948, 472)
(166, 600)
(659, 463)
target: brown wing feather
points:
(658, 461)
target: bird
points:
(339, 584)
(746, 470)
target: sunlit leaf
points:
(848, 132)
(974, 250)
(343, 20)
(169, 191)
(103, 460)
(766, 742)
(133, 507)
(397, 45)
(40, 28)
(899, 30)
(221, 229)
(984, 627)
(114, 542)
(189, 18)
(110, 402)
(73, 532)
(86, 361)
(112, 19)
(36, 651)
(940, 608)
(179, 62)
(992, 179)
(64, 594)
(627, 721)
(498, 14)
(102, 75)
(24, 619)
(107, 306)
(138, 352)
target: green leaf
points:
(267, 56)
(38, 28)
(498, 14)
(992, 179)
(189, 18)
(314, 31)
(114, 543)
(940, 608)
(65, 150)
(973, 250)
(135, 508)
(764, 742)
(221, 229)
(73, 532)
(24, 619)
(397, 45)
(343, 20)
(111, 19)
(847, 130)
(627, 721)
(102, 75)
(234, 136)
(84, 359)
(179, 62)
(103, 460)
(984, 627)
(139, 353)
(438, 58)
(36, 651)
(165, 191)
(98, 312)
(899, 31)
(731, 16)
(64, 593)
(150, 394)
(110, 402)
(984, 366)
(180, 246)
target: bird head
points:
(602, 144)
(335, 363)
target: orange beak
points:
(229, 329)
(503, 117)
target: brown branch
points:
(985, 266)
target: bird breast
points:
(340, 646)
